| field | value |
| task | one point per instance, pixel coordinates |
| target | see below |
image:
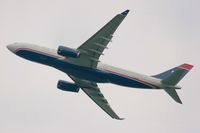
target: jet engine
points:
(67, 86)
(68, 52)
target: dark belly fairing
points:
(36, 57)
(85, 73)
(82, 72)
(58, 63)
(124, 81)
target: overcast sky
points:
(155, 36)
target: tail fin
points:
(171, 77)
(176, 74)
(182, 71)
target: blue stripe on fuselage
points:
(71, 69)
(123, 81)
(95, 75)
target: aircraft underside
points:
(83, 67)
(90, 74)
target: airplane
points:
(83, 66)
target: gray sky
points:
(155, 36)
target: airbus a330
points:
(82, 65)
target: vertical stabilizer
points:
(170, 79)
(176, 74)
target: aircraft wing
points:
(93, 91)
(93, 48)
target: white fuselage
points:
(102, 74)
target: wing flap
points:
(93, 91)
(103, 104)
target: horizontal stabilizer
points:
(173, 94)
(170, 79)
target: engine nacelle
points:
(67, 52)
(67, 86)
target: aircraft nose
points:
(12, 47)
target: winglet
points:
(125, 12)
(119, 118)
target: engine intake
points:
(67, 86)
(67, 52)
